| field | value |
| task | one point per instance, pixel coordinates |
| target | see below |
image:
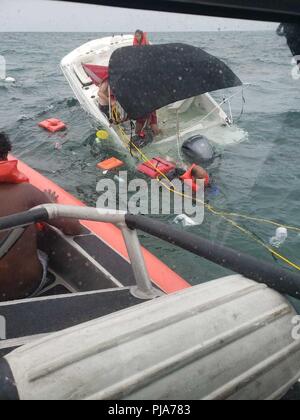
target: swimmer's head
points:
(198, 173)
(5, 146)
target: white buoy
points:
(185, 220)
(280, 237)
(10, 80)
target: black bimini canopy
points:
(147, 78)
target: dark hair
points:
(138, 31)
(5, 146)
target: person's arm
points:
(103, 93)
(67, 226)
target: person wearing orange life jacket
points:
(189, 176)
(29, 275)
(150, 121)
(140, 38)
(196, 173)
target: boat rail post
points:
(144, 288)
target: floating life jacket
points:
(53, 125)
(10, 174)
(144, 40)
(110, 164)
(155, 167)
(188, 179)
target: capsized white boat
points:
(178, 72)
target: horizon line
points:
(131, 32)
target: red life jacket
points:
(53, 125)
(155, 167)
(144, 40)
(188, 179)
(9, 173)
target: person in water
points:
(23, 268)
(194, 173)
(140, 38)
(199, 173)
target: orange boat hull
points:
(161, 275)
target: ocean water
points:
(259, 177)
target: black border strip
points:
(263, 10)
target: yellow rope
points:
(225, 215)
(234, 224)
(261, 220)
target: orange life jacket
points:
(144, 40)
(188, 179)
(53, 125)
(10, 174)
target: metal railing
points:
(277, 278)
(143, 288)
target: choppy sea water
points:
(258, 177)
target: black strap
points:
(10, 240)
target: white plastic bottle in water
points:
(185, 220)
(279, 238)
(10, 80)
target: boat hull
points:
(163, 277)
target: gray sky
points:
(46, 15)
